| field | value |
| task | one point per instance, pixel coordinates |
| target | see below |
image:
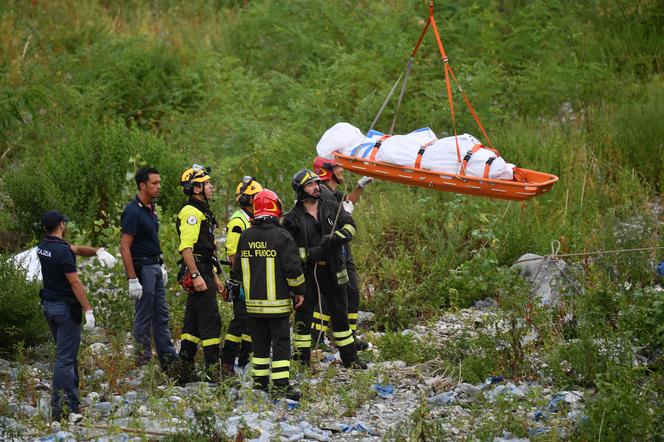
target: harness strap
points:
(487, 166)
(376, 146)
(468, 156)
(420, 153)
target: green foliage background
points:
(90, 90)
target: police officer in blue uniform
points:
(143, 263)
(63, 302)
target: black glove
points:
(317, 254)
(233, 289)
(325, 241)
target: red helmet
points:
(267, 203)
(324, 167)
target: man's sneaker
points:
(360, 345)
(75, 418)
(357, 364)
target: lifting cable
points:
(449, 77)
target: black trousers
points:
(321, 319)
(237, 342)
(202, 322)
(353, 291)
(336, 302)
(270, 334)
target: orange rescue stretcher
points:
(526, 184)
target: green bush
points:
(88, 174)
(21, 313)
(621, 410)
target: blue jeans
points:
(151, 317)
(65, 324)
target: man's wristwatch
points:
(195, 275)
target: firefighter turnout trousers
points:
(202, 322)
(270, 333)
(335, 299)
(237, 342)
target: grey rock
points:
(447, 398)
(549, 279)
(131, 396)
(28, 410)
(12, 425)
(104, 407)
(468, 393)
(364, 318)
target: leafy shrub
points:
(404, 347)
(21, 313)
(138, 80)
(621, 410)
(87, 175)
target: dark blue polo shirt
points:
(141, 222)
(56, 259)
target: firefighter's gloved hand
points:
(325, 241)
(317, 254)
(135, 289)
(106, 259)
(89, 321)
(164, 274)
(364, 181)
(348, 206)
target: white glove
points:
(106, 259)
(89, 321)
(164, 274)
(348, 206)
(362, 182)
(135, 288)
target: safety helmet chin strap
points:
(202, 191)
(302, 195)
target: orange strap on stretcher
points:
(420, 153)
(374, 149)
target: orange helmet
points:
(324, 167)
(267, 203)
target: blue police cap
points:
(51, 219)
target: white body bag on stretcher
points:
(438, 154)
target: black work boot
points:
(227, 370)
(213, 373)
(282, 390)
(357, 364)
(184, 372)
(359, 343)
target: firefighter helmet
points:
(246, 189)
(300, 180)
(196, 174)
(324, 168)
(267, 203)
